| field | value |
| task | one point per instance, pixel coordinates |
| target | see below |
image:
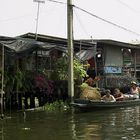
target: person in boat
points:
(118, 95)
(134, 90)
(108, 97)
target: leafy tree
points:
(61, 69)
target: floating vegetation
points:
(57, 106)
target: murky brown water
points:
(114, 124)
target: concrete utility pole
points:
(70, 49)
(37, 18)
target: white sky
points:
(18, 17)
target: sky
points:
(18, 17)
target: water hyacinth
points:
(59, 106)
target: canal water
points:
(113, 124)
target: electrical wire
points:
(80, 23)
(107, 21)
(27, 15)
(128, 6)
(16, 18)
(57, 1)
(93, 15)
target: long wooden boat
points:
(88, 104)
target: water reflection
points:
(2, 131)
(114, 124)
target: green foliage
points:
(18, 81)
(61, 69)
(57, 106)
(79, 70)
(28, 81)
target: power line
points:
(81, 24)
(15, 18)
(107, 21)
(27, 15)
(57, 1)
(129, 7)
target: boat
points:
(96, 104)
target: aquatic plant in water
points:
(57, 106)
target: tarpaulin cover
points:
(86, 54)
(19, 47)
(22, 46)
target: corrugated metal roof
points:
(58, 40)
(115, 43)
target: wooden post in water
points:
(2, 82)
(135, 63)
(70, 48)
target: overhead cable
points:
(15, 18)
(107, 21)
(57, 1)
(129, 7)
(81, 24)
